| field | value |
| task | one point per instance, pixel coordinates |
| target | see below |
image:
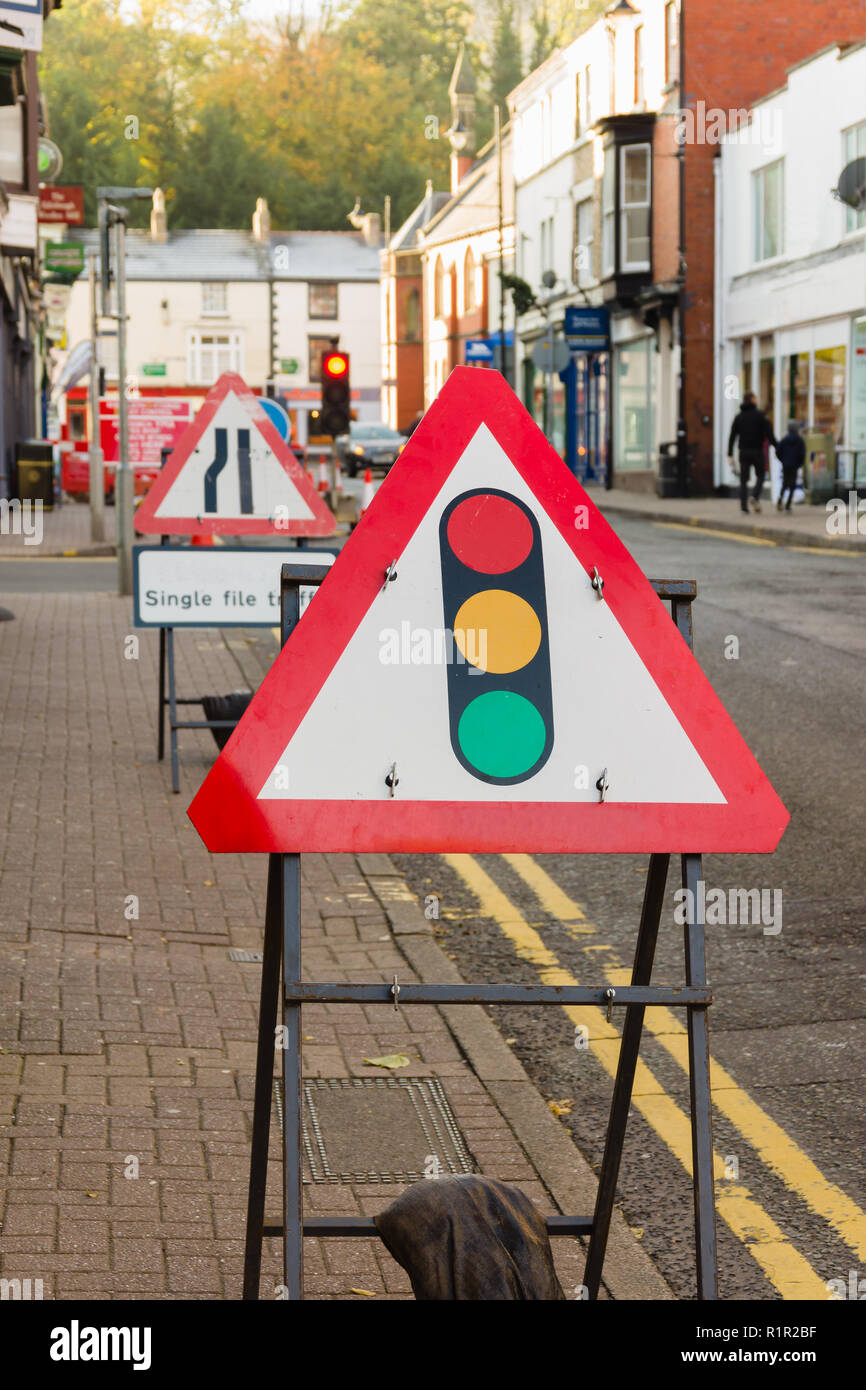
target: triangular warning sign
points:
(458, 682)
(230, 474)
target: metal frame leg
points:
(699, 1089)
(160, 726)
(270, 989)
(628, 1056)
(172, 710)
(293, 1211)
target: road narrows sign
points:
(489, 673)
(231, 474)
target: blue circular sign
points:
(278, 416)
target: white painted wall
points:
(808, 295)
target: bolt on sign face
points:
(459, 682)
(231, 474)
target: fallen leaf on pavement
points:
(391, 1061)
(561, 1107)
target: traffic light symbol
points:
(336, 393)
(500, 703)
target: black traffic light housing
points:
(336, 392)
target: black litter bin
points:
(34, 468)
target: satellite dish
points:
(548, 279)
(851, 188)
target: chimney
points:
(461, 90)
(261, 220)
(371, 229)
(158, 223)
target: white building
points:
(263, 304)
(592, 130)
(791, 268)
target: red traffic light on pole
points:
(336, 392)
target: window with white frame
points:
(854, 147)
(767, 211)
(214, 299)
(672, 42)
(587, 97)
(639, 97)
(583, 240)
(470, 297)
(211, 354)
(608, 214)
(635, 202)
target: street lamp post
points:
(111, 215)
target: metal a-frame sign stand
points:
(283, 994)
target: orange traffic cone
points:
(324, 485)
(367, 494)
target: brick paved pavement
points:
(127, 1036)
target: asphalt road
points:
(789, 1019)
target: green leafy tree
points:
(506, 63)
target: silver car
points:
(369, 444)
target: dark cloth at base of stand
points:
(225, 707)
(470, 1237)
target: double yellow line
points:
(785, 1268)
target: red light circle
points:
(490, 534)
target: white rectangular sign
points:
(222, 586)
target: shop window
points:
(829, 392)
(767, 211)
(798, 387)
(745, 367)
(767, 378)
(633, 393)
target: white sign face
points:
(194, 586)
(607, 708)
(18, 228)
(21, 25)
(234, 474)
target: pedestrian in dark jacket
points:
(751, 427)
(792, 453)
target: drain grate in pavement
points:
(371, 1129)
(241, 957)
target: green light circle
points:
(501, 734)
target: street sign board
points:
(551, 354)
(477, 350)
(64, 256)
(153, 368)
(278, 416)
(587, 328)
(487, 697)
(223, 586)
(155, 423)
(231, 474)
(62, 205)
(21, 22)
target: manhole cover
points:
(367, 1129)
